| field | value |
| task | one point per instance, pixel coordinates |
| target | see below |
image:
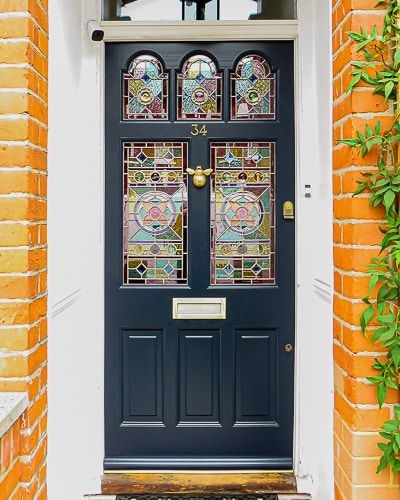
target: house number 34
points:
(198, 131)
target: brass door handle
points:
(199, 175)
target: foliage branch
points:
(380, 69)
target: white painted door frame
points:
(76, 237)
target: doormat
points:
(197, 497)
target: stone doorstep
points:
(280, 497)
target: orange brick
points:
(362, 393)
(29, 441)
(365, 233)
(15, 439)
(13, 77)
(11, 479)
(353, 259)
(34, 411)
(18, 182)
(361, 419)
(375, 493)
(361, 444)
(16, 235)
(14, 339)
(13, 53)
(356, 341)
(364, 101)
(356, 366)
(348, 311)
(13, 5)
(356, 208)
(16, 27)
(11, 102)
(14, 130)
(6, 450)
(356, 287)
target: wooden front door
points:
(199, 279)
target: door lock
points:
(199, 175)
(288, 210)
(289, 348)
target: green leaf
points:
(381, 393)
(349, 142)
(388, 89)
(395, 356)
(396, 58)
(382, 292)
(366, 317)
(353, 83)
(383, 446)
(388, 199)
(392, 385)
(360, 188)
(373, 281)
(388, 334)
(382, 465)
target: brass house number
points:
(198, 131)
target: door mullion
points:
(199, 220)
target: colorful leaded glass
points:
(243, 213)
(252, 90)
(199, 90)
(155, 213)
(145, 87)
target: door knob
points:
(199, 175)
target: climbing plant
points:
(380, 69)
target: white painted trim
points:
(76, 252)
(124, 31)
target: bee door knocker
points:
(199, 175)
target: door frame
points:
(314, 276)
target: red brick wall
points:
(23, 248)
(356, 241)
(10, 463)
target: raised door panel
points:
(199, 377)
(143, 377)
(255, 377)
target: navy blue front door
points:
(199, 280)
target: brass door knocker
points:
(199, 175)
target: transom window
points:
(192, 10)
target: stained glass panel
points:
(145, 87)
(199, 90)
(252, 90)
(155, 213)
(243, 213)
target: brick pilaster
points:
(356, 241)
(23, 243)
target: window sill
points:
(12, 405)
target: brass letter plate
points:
(202, 308)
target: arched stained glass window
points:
(199, 90)
(145, 90)
(253, 90)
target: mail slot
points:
(211, 308)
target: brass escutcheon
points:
(288, 210)
(288, 348)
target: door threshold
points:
(198, 482)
